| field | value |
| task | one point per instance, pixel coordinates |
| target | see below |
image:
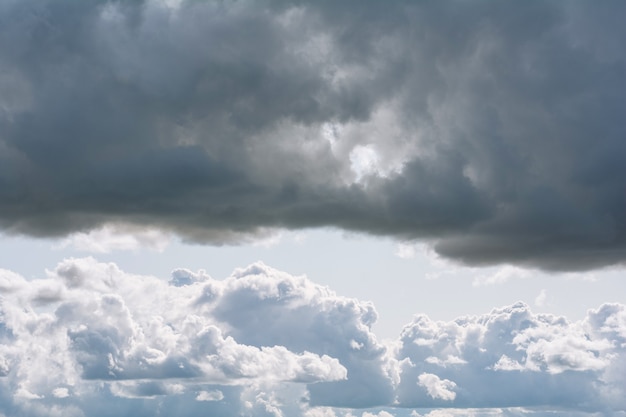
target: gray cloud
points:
(497, 128)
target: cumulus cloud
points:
(511, 357)
(108, 335)
(262, 342)
(492, 131)
(379, 414)
(436, 387)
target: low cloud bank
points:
(91, 339)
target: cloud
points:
(512, 357)
(501, 275)
(380, 414)
(109, 238)
(304, 317)
(262, 342)
(112, 336)
(61, 392)
(405, 251)
(492, 132)
(541, 298)
(436, 387)
(210, 396)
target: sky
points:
(316, 209)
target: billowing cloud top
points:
(92, 340)
(493, 130)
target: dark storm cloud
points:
(497, 128)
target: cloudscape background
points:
(316, 209)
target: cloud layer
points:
(264, 343)
(493, 131)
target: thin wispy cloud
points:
(110, 238)
(541, 299)
(500, 276)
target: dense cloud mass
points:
(93, 340)
(493, 130)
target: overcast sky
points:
(317, 209)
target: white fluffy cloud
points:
(91, 330)
(436, 387)
(262, 342)
(512, 357)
